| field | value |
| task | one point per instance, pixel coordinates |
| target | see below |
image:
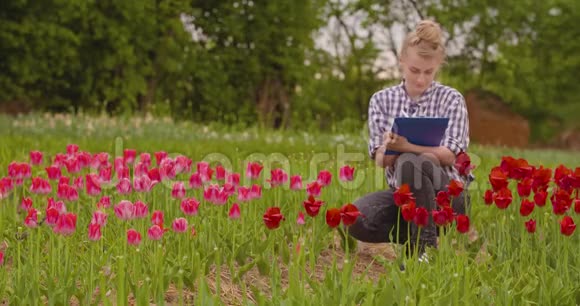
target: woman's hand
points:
(395, 142)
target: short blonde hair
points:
(428, 38)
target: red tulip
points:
(541, 178)
(503, 198)
(349, 213)
(272, 217)
(133, 237)
(443, 199)
(312, 206)
(521, 170)
(567, 226)
(182, 164)
(455, 188)
(488, 197)
(540, 198)
(234, 211)
(408, 211)
(498, 179)
(346, 173)
(462, 223)
(525, 187)
(1, 258)
(403, 195)
(333, 217)
(531, 226)
(575, 178)
(463, 163)
(561, 201)
(577, 206)
(443, 217)
(562, 177)
(421, 217)
(527, 207)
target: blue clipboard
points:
(421, 131)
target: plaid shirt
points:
(437, 101)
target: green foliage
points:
(307, 64)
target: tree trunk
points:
(273, 104)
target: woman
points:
(426, 170)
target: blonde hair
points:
(428, 38)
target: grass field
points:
(225, 258)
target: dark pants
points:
(379, 223)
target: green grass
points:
(505, 265)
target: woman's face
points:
(418, 71)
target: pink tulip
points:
(346, 173)
(234, 211)
(94, 231)
(324, 178)
(157, 217)
(179, 225)
(178, 191)
(296, 182)
(155, 232)
(35, 158)
(100, 218)
(124, 210)
(189, 206)
(133, 237)
(66, 224)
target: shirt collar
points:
(425, 94)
